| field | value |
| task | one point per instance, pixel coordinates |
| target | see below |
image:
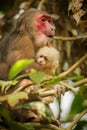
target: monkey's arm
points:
(35, 66)
(3, 71)
(22, 48)
(17, 55)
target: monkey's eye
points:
(43, 19)
(41, 56)
(45, 58)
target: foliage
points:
(18, 67)
(24, 105)
(27, 104)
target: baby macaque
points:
(48, 59)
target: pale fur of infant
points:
(48, 58)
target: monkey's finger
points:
(59, 89)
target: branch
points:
(52, 92)
(41, 4)
(48, 126)
(22, 87)
(62, 75)
(51, 126)
(67, 72)
(76, 120)
(70, 38)
(83, 81)
(73, 67)
(69, 87)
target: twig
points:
(76, 120)
(62, 75)
(73, 67)
(69, 38)
(47, 93)
(41, 4)
(83, 81)
(67, 72)
(52, 92)
(69, 87)
(21, 76)
(22, 87)
(49, 126)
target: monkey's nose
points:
(52, 29)
(40, 61)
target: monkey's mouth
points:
(50, 36)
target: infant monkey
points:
(48, 59)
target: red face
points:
(45, 25)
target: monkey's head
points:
(48, 57)
(44, 24)
(38, 24)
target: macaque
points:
(33, 30)
(48, 59)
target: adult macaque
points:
(34, 30)
(48, 59)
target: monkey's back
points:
(14, 47)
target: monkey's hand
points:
(59, 89)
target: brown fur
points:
(23, 42)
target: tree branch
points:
(69, 87)
(52, 92)
(73, 67)
(62, 75)
(69, 38)
(76, 120)
(41, 4)
(83, 81)
(48, 126)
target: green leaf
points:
(39, 106)
(83, 91)
(76, 78)
(5, 85)
(76, 106)
(37, 76)
(14, 99)
(53, 81)
(18, 67)
(85, 103)
(29, 126)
